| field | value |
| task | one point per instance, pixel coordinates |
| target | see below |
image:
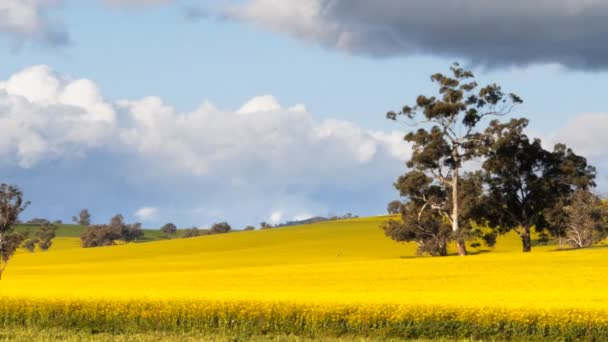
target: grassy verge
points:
(247, 318)
(35, 335)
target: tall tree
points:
(527, 185)
(451, 129)
(11, 205)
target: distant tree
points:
(528, 185)
(45, 235)
(99, 236)
(107, 235)
(43, 238)
(169, 230)
(132, 232)
(220, 228)
(265, 225)
(394, 207)
(58, 222)
(127, 232)
(11, 205)
(191, 232)
(38, 221)
(449, 134)
(249, 228)
(83, 219)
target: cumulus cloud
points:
(489, 33)
(23, 20)
(260, 158)
(146, 213)
(45, 116)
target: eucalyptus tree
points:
(450, 130)
(528, 186)
(11, 205)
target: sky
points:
(196, 112)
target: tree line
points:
(469, 169)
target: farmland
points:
(326, 279)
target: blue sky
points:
(333, 75)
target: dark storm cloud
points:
(486, 32)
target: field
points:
(330, 279)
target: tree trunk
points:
(443, 250)
(462, 248)
(526, 240)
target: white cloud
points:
(249, 160)
(301, 217)
(147, 213)
(587, 132)
(27, 19)
(266, 103)
(45, 116)
(275, 217)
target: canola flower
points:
(326, 279)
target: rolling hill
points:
(341, 261)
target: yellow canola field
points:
(342, 262)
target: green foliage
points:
(169, 230)
(107, 235)
(11, 205)
(528, 185)
(192, 232)
(220, 228)
(393, 207)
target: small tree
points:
(45, 236)
(220, 228)
(249, 228)
(169, 230)
(99, 236)
(586, 220)
(191, 232)
(394, 207)
(133, 232)
(265, 225)
(83, 219)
